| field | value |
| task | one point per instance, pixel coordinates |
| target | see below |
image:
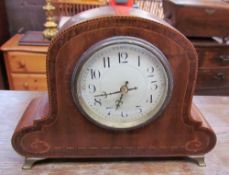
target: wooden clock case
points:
(53, 127)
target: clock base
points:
(30, 162)
(199, 160)
(28, 142)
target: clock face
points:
(122, 83)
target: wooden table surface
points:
(215, 109)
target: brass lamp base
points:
(50, 24)
(50, 33)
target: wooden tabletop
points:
(215, 109)
(12, 45)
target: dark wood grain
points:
(211, 53)
(200, 21)
(198, 18)
(54, 127)
(214, 79)
(213, 68)
(215, 110)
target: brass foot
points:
(200, 161)
(29, 162)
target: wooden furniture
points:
(25, 65)
(4, 34)
(215, 110)
(213, 73)
(201, 21)
(198, 17)
(54, 127)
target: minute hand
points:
(116, 92)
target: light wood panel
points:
(25, 65)
(37, 82)
(12, 45)
(27, 62)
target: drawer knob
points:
(210, 11)
(224, 57)
(21, 64)
(26, 85)
(168, 15)
(219, 76)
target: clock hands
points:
(124, 90)
(119, 101)
(116, 92)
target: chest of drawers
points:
(200, 18)
(213, 72)
(25, 65)
(202, 21)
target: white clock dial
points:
(122, 83)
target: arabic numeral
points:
(150, 99)
(95, 74)
(109, 110)
(154, 85)
(150, 71)
(123, 114)
(139, 109)
(92, 88)
(106, 62)
(139, 61)
(122, 57)
(97, 102)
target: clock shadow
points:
(97, 161)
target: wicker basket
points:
(152, 6)
(72, 7)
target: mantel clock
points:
(120, 85)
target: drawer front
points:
(194, 20)
(213, 92)
(217, 78)
(36, 82)
(205, 22)
(213, 57)
(22, 62)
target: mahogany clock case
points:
(53, 127)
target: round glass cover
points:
(122, 83)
